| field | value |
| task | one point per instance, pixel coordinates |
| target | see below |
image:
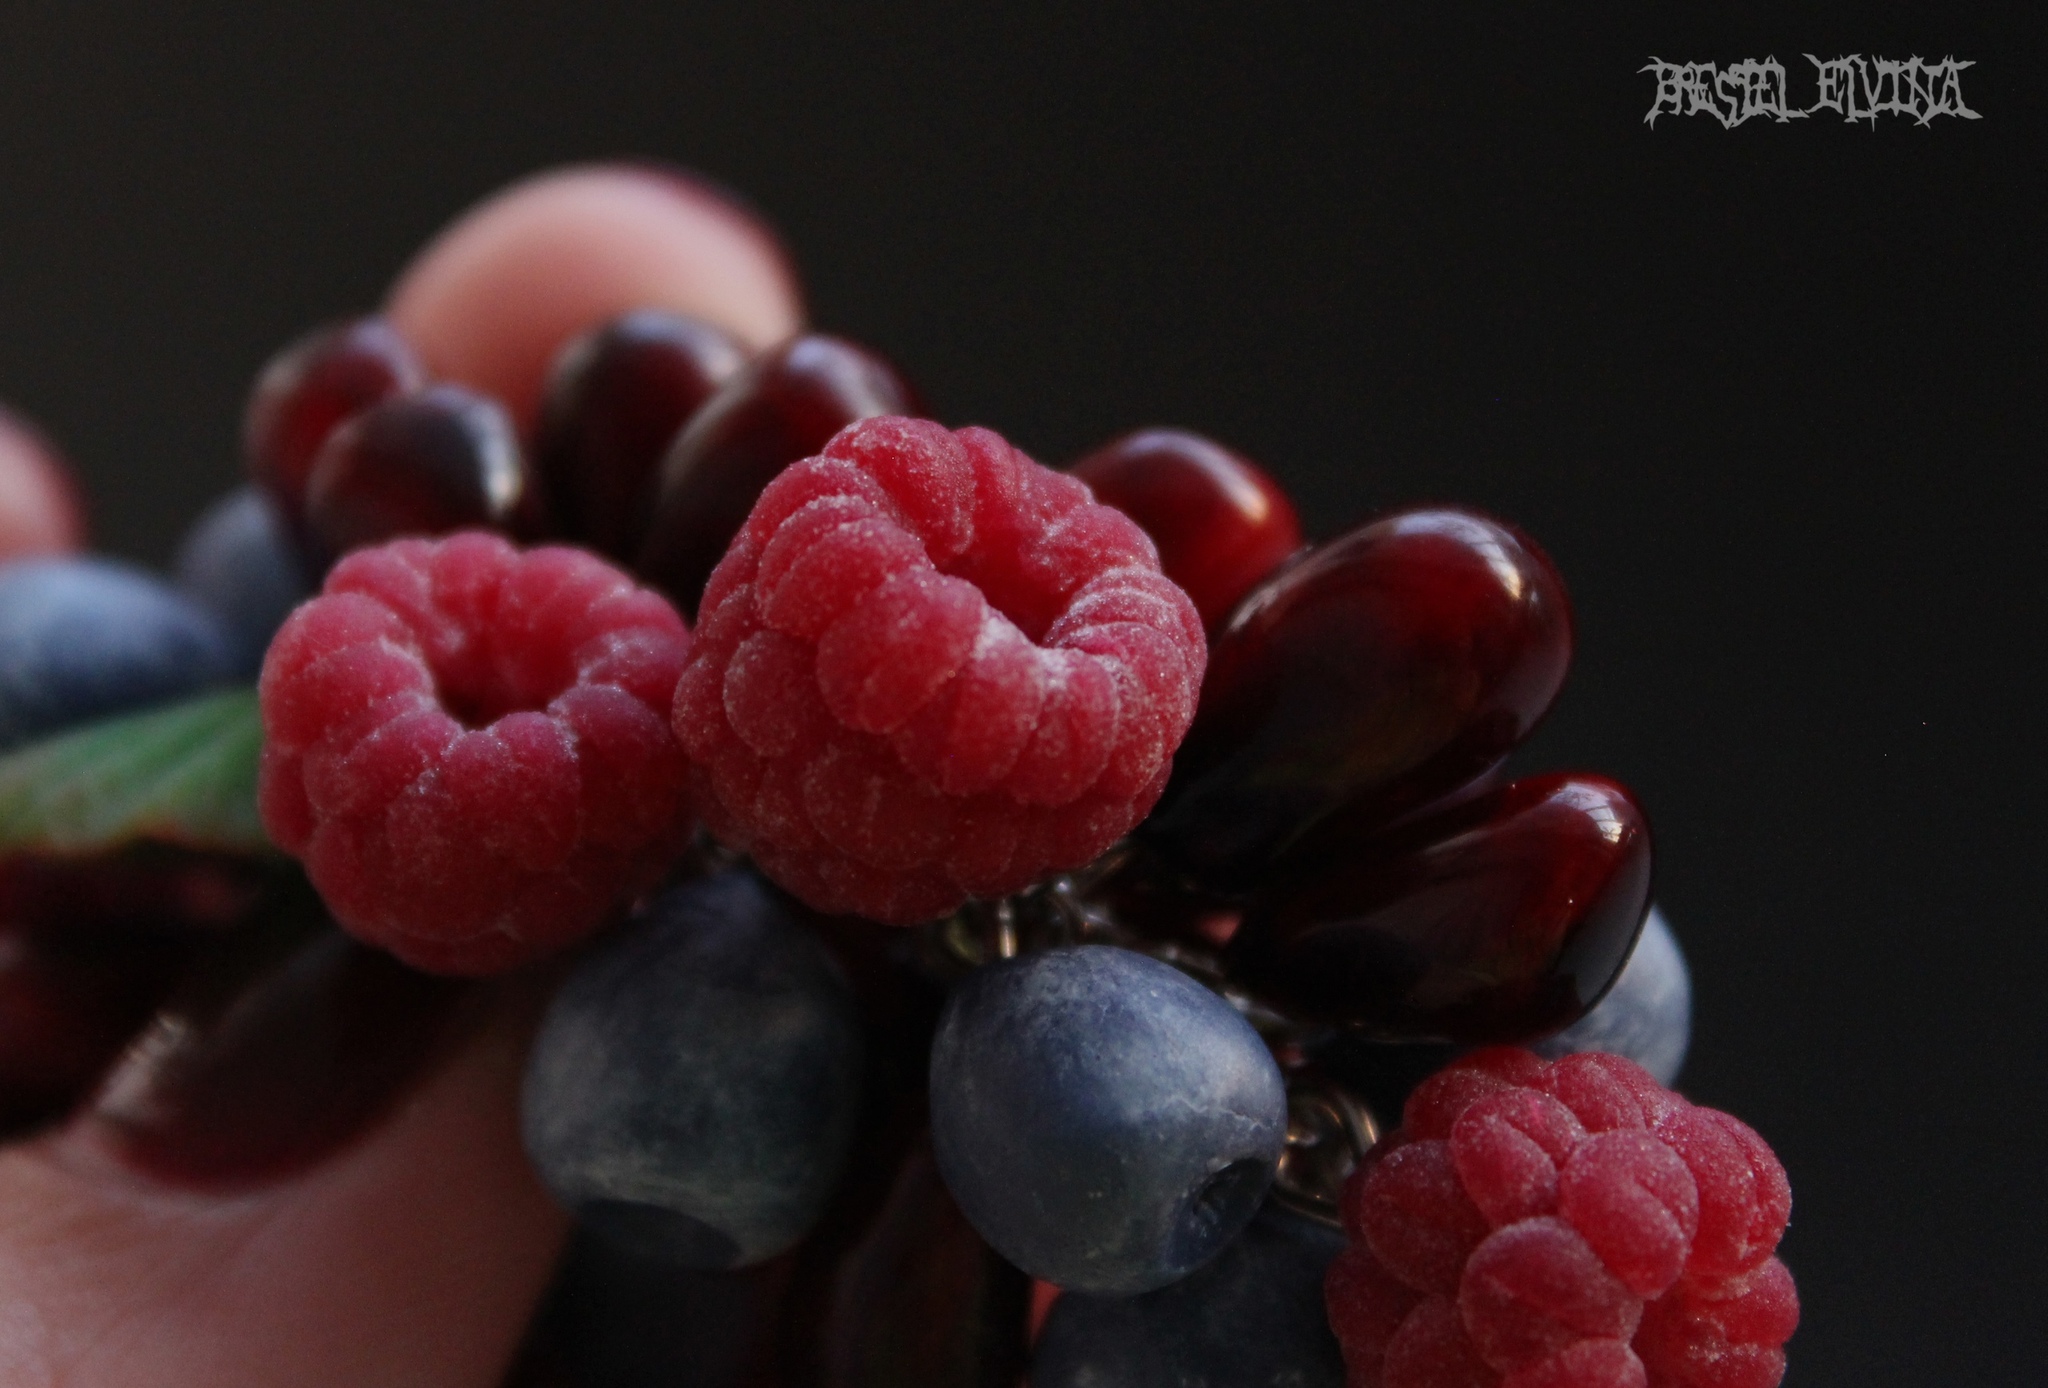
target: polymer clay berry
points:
(468, 746)
(929, 668)
(1563, 1225)
(1107, 1123)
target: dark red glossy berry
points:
(615, 400)
(1369, 679)
(443, 459)
(1221, 524)
(783, 406)
(311, 387)
(1504, 918)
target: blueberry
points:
(1106, 1122)
(1253, 1318)
(82, 639)
(1646, 1015)
(239, 561)
(693, 1088)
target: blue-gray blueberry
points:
(86, 638)
(1105, 1122)
(239, 561)
(693, 1088)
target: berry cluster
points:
(469, 746)
(1206, 829)
(1570, 1223)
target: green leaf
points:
(183, 774)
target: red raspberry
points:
(468, 746)
(1570, 1225)
(929, 668)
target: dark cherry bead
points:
(615, 400)
(1502, 919)
(1221, 524)
(783, 406)
(1369, 678)
(312, 386)
(425, 464)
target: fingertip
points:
(416, 1255)
(40, 510)
(490, 300)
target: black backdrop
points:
(1761, 391)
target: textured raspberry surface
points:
(469, 746)
(1563, 1225)
(929, 668)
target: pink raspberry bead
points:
(1564, 1225)
(929, 668)
(468, 747)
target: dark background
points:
(1764, 394)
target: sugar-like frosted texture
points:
(1563, 1225)
(468, 746)
(929, 668)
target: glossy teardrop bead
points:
(441, 460)
(1366, 680)
(783, 406)
(1504, 918)
(615, 400)
(311, 387)
(1221, 524)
